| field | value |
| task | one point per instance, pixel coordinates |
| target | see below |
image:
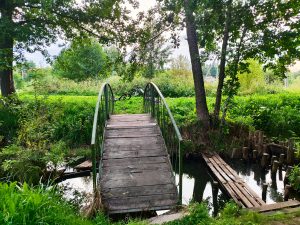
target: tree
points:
(84, 59)
(266, 30)
(248, 29)
(201, 105)
(152, 51)
(33, 24)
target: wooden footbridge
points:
(136, 154)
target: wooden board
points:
(86, 165)
(136, 170)
(232, 183)
(134, 153)
(277, 206)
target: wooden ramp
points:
(238, 190)
(136, 171)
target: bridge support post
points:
(180, 175)
(106, 103)
(94, 168)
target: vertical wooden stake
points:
(264, 160)
(264, 192)
(245, 153)
(274, 157)
(290, 152)
(287, 173)
(254, 154)
(274, 169)
(281, 159)
(287, 189)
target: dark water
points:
(254, 176)
(198, 184)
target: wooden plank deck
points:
(240, 192)
(136, 171)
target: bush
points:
(294, 178)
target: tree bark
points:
(223, 62)
(201, 105)
(6, 53)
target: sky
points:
(55, 49)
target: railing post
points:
(152, 102)
(94, 167)
(106, 102)
(180, 174)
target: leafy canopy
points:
(84, 59)
(35, 24)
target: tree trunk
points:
(201, 105)
(223, 62)
(6, 53)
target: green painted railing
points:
(104, 108)
(156, 105)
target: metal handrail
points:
(104, 108)
(156, 105)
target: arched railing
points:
(156, 105)
(104, 108)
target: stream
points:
(198, 184)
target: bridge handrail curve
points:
(152, 99)
(104, 108)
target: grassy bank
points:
(43, 205)
(276, 114)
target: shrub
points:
(294, 178)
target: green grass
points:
(25, 205)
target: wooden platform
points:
(136, 172)
(238, 190)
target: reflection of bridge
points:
(135, 154)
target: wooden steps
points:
(238, 190)
(136, 171)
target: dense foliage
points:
(294, 177)
(84, 59)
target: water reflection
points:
(199, 186)
(255, 177)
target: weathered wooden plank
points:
(138, 191)
(86, 165)
(133, 154)
(277, 206)
(143, 203)
(131, 124)
(129, 115)
(136, 179)
(137, 167)
(232, 194)
(222, 164)
(134, 141)
(240, 196)
(127, 132)
(134, 161)
(216, 173)
(220, 170)
(245, 192)
(251, 192)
